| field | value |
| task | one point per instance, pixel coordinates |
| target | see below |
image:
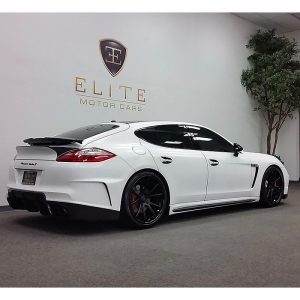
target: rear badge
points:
(28, 164)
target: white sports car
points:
(140, 171)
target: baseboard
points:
(5, 208)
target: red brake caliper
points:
(133, 201)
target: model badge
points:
(28, 164)
(113, 55)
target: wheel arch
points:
(278, 168)
(271, 166)
(153, 171)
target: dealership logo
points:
(99, 93)
(113, 55)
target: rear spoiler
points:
(51, 141)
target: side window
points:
(207, 140)
(171, 136)
(149, 135)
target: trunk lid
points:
(40, 152)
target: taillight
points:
(86, 155)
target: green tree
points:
(273, 80)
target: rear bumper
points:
(37, 202)
(88, 184)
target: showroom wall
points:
(288, 146)
(182, 67)
(289, 139)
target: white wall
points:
(288, 142)
(288, 146)
(189, 65)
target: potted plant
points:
(273, 80)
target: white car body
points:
(193, 178)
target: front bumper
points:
(37, 202)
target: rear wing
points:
(51, 141)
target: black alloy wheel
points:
(272, 187)
(145, 200)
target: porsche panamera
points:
(140, 171)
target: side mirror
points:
(237, 149)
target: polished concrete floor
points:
(242, 246)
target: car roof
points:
(140, 124)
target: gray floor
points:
(238, 246)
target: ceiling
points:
(283, 22)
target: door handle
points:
(213, 162)
(165, 159)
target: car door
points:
(229, 176)
(184, 168)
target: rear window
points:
(85, 132)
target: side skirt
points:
(213, 205)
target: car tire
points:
(272, 187)
(145, 200)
